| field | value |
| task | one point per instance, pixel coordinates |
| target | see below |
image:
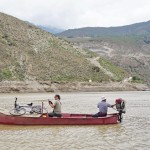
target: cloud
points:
(78, 13)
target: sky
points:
(68, 14)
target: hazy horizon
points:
(71, 14)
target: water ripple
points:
(132, 134)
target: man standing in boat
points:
(56, 107)
(103, 108)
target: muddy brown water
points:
(132, 134)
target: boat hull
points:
(66, 119)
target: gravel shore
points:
(46, 86)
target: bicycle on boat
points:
(19, 110)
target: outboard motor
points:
(120, 106)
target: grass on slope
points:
(119, 73)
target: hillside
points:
(127, 46)
(28, 53)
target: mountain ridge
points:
(133, 29)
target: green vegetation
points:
(5, 74)
(119, 73)
(18, 72)
(89, 53)
(4, 39)
(136, 79)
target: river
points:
(132, 134)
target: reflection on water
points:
(132, 134)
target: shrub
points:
(6, 74)
(136, 79)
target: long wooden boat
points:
(66, 119)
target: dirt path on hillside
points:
(95, 62)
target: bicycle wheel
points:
(37, 110)
(17, 112)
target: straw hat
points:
(103, 98)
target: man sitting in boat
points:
(103, 108)
(56, 107)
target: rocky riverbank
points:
(46, 86)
